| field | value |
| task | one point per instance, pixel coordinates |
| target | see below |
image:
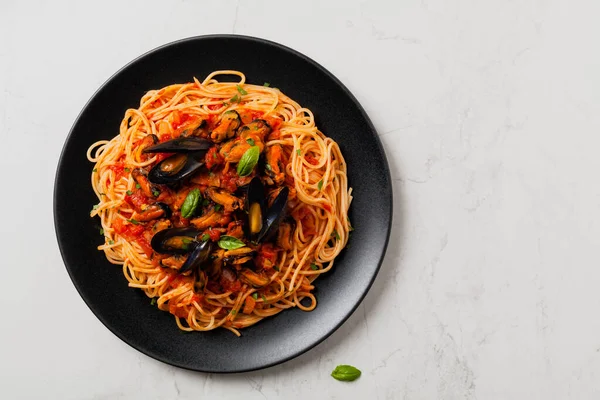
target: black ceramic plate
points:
(127, 312)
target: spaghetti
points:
(253, 135)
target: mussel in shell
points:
(263, 221)
(183, 241)
(176, 167)
(198, 257)
(174, 240)
(180, 145)
(188, 158)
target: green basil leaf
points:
(153, 301)
(235, 99)
(241, 90)
(129, 193)
(268, 167)
(314, 266)
(133, 221)
(248, 161)
(250, 141)
(299, 152)
(320, 184)
(205, 237)
(255, 295)
(267, 84)
(156, 193)
(346, 373)
(217, 207)
(137, 186)
(230, 243)
(190, 203)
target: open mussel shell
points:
(177, 167)
(274, 215)
(199, 256)
(175, 240)
(180, 145)
(263, 222)
(255, 206)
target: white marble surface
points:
(489, 112)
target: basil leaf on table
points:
(248, 161)
(346, 373)
(230, 243)
(190, 203)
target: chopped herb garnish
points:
(205, 202)
(137, 186)
(127, 170)
(235, 99)
(217, 207)
(111, 242)
(299, 152)
(335, 234)
(233, 312)
(267, 84)
(156, 193)
(95, 206)
(268, 167)
(205, 237)
(133, 221)
(262, 296)
(314, 266)
(276, 268)
(215, 155)
(101, 194)
(320, 184)
(101, 231)
(95, 170)
(255, 295)
(129, 192)
(241, 90)
(153, 301)
(225, 103)
(250, 141)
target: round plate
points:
(127, 312)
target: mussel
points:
(175, 168)
(153, 211)
(224, 198)
(198, 257)
(228, 125)
(174, 240)
(180, 241)
(263, 221)
(254, 279)
(188, 158)
(180, 145)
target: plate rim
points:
(386, 172)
